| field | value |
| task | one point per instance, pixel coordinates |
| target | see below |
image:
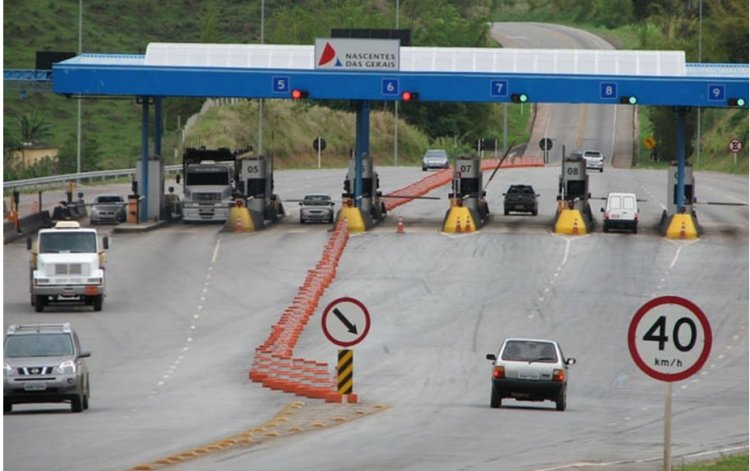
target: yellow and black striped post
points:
(345, 371)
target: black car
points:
(521, 198)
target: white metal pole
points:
(78, 127)
(395, 111)
(260, 103)
(700, 53)
(668, 426)
(319, 146)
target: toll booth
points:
(371, 206)
(574, 213)
(256, 185)
(469, 209)
(689, 193)
(154, 204)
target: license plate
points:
(34, 387)
(615, 216)
(519, 206)
(523, 375)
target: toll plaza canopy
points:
(434, 74)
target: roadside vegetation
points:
(111, 128)
(730, 463)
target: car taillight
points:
(606, 214)
(498, 372)
(636, 217)
(558, 375)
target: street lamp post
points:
(395, 111)
(80, 49)
(260, 102)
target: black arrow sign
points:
(351, 327)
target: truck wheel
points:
(98, 301)
(39, 304)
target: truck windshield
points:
(67, 242)
(218, 177)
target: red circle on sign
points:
(707, 338)
(330, 336)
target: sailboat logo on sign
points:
(329, 54)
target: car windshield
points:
(108, 199)
(523, 190)
(593, 154)
(38, 345)
(67, 242)
(317, 200)
(531, 351)
(436, 154)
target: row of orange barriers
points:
(443, 177)
(273, 364)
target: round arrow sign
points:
(669, 338)
(346, 321)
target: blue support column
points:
(143, 186)
(362, 147)
(157, 126)
(680, 203)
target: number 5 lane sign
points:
(669, 338)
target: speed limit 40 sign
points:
(669, 338)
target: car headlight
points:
(68, 367)
(7, 370)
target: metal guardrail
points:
(99, 175)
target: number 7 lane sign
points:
(669, 338)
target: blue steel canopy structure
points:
(660, 78)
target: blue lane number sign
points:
(280, 84)
(608, 90)
(389, 87)
(716, 92)
(499, 88)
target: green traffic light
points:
(740, 102)
(632, 100)
(523, 98)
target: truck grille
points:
(206, 197)
(68, 269)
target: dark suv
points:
(44, 363)
(520, 198)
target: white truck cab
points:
(67, 266)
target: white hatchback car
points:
(530, 370)
(621, 212)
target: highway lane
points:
(187, 305)
(602, 127)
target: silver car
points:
(107, 209)
(316, 207)
(44, 363)
(594, 160)
(435, 158)
(529, 370)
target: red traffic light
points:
(298, 94)
(408, 96)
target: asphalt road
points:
(188, 304)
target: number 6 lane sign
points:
(669, 338)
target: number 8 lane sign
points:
(669, 338)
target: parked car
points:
(621, 212)
(529, 370)
(594, 160)
(316, 207)
(44, 363)
(108, 209)
(521, 198)
(435, 158)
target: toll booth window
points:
(576, 189)
(68, 242)
(255, 186)
(688, 194)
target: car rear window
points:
(628, 202)
(525, 350)
(109, 199)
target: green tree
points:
(33, 128)
(91, 155)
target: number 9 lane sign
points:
(669, 338)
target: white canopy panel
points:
(431, 59)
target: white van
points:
(621, 212)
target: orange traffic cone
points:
(468, 225)
(238, 226)
(458, 226)
(575, 226)
(400, 226)
(683, 232)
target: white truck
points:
(208, 188)
(67, 266)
